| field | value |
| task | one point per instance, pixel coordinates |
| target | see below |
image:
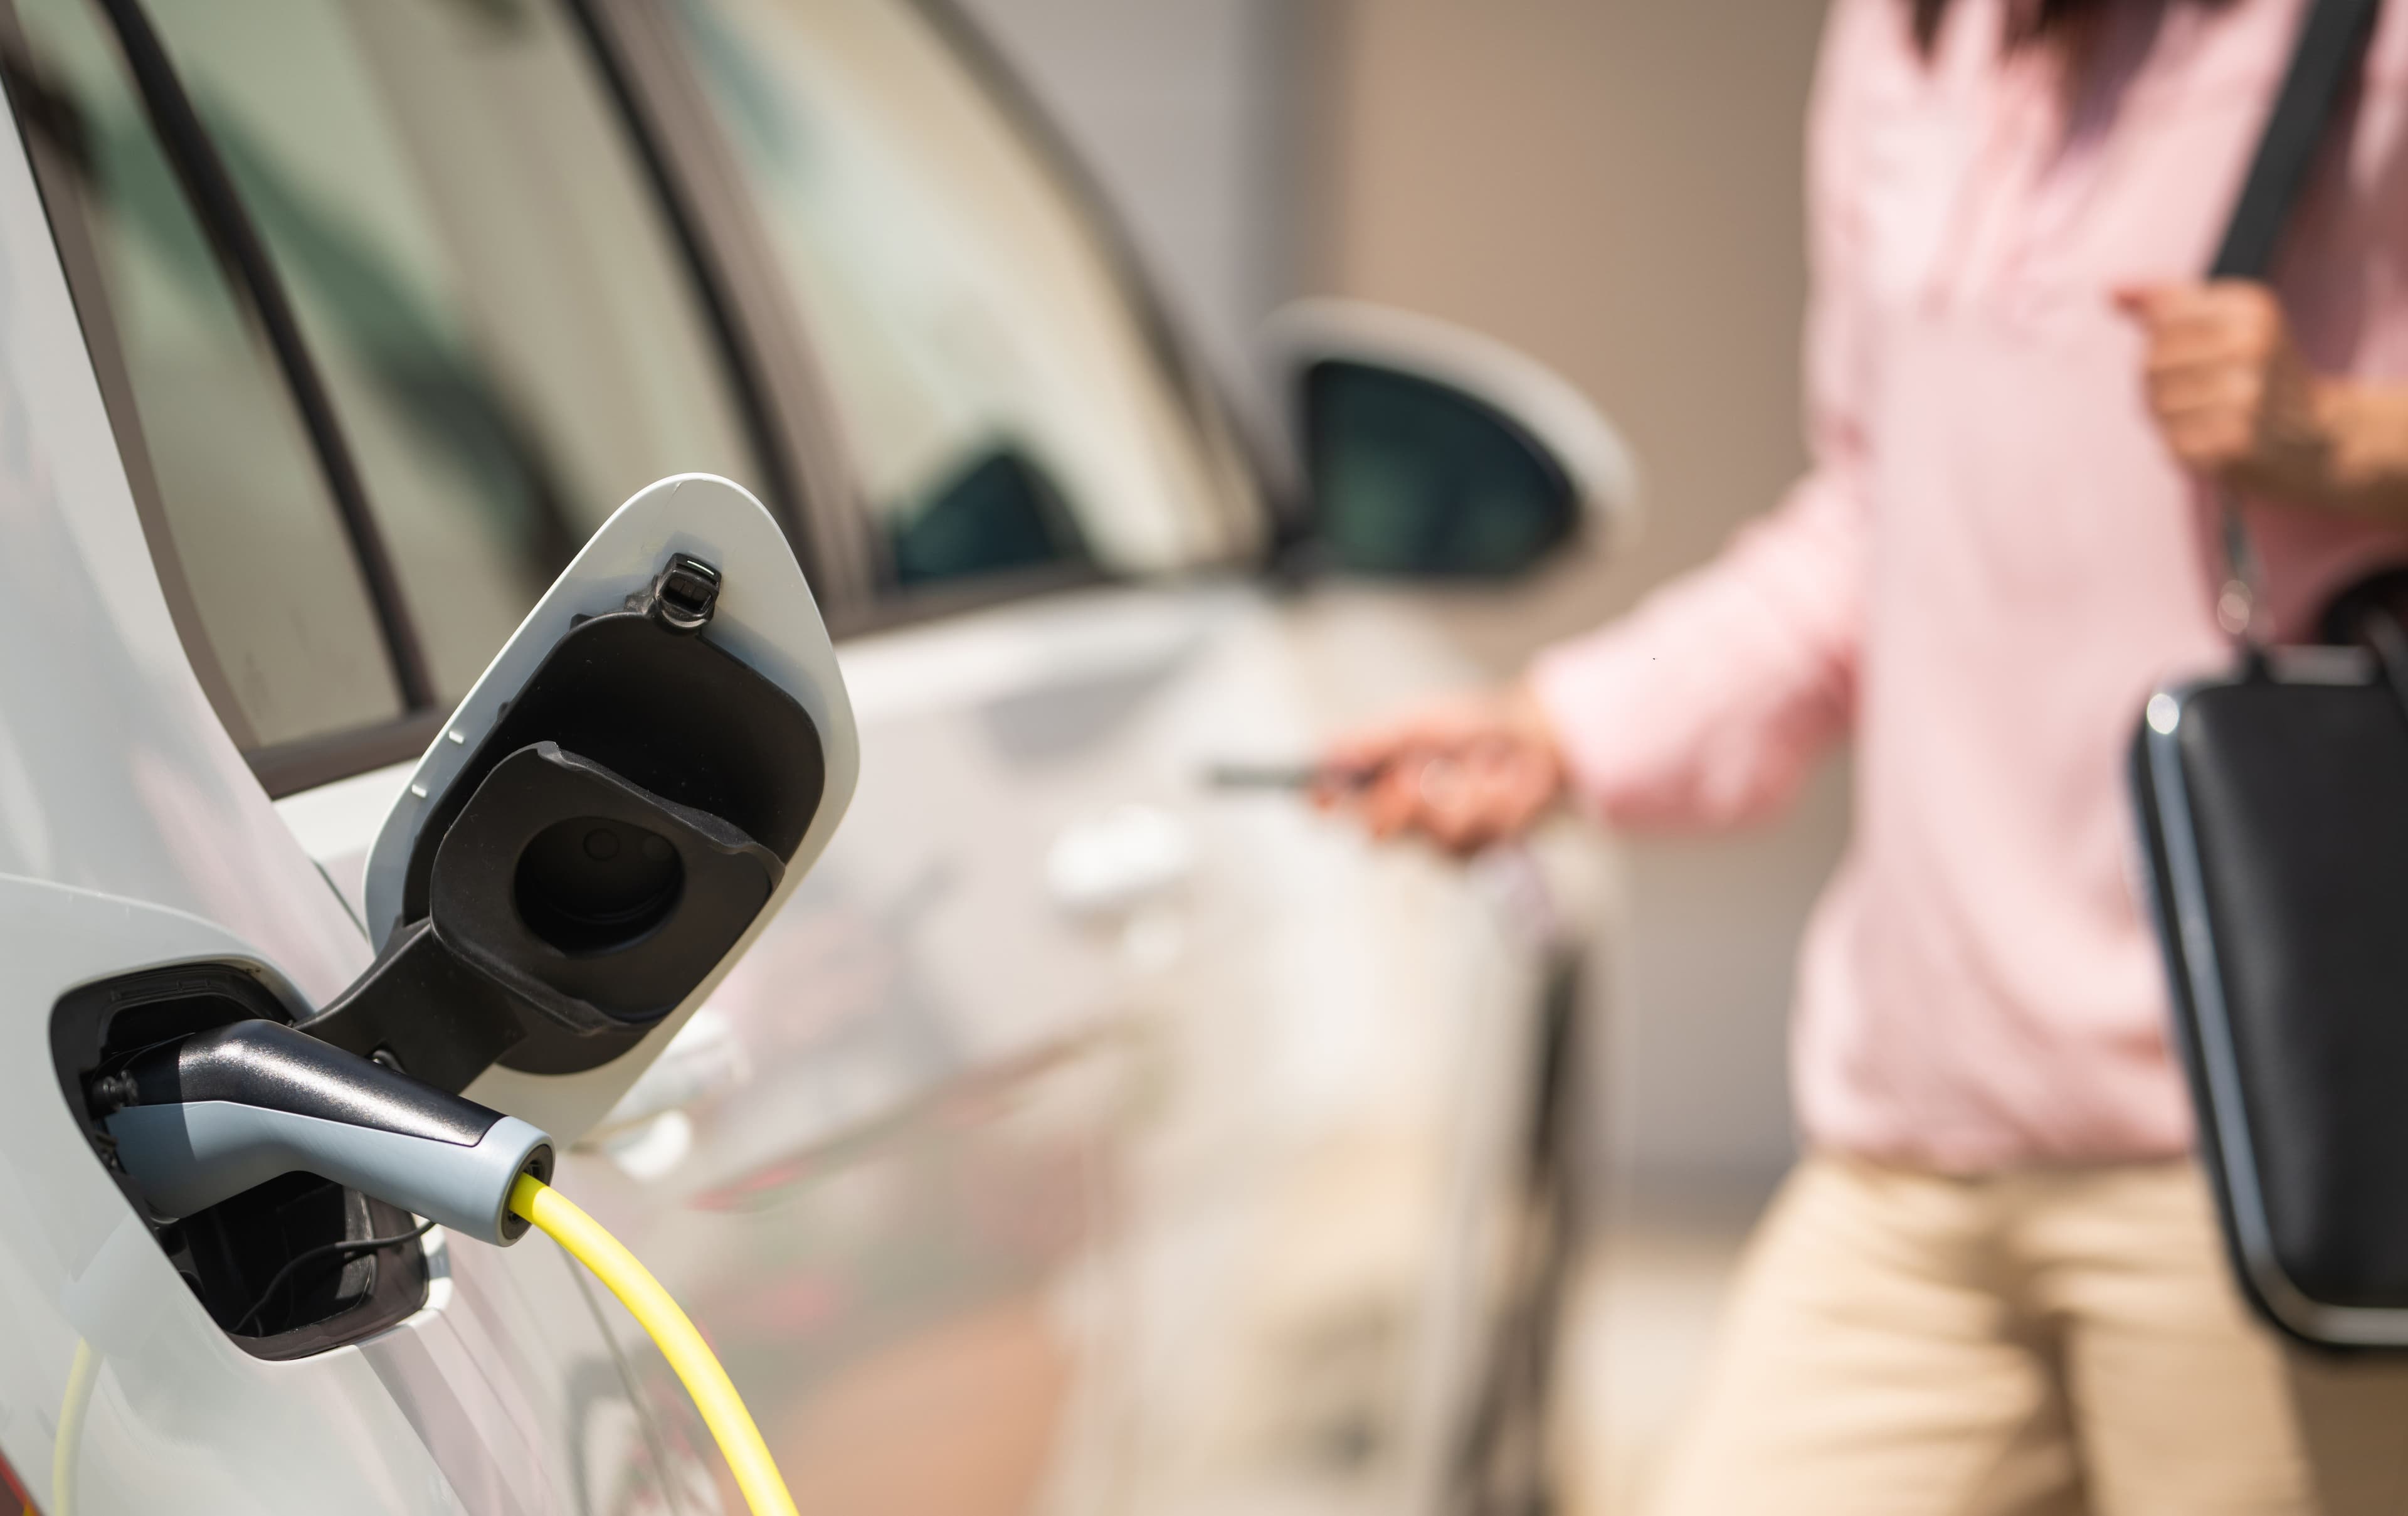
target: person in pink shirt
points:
(1994, 1283)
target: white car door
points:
(1085, 1139)
(1314, 1056)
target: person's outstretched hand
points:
(1465, 771)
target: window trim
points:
(209, 189)
(288, 768)
(702, 183)
(64, 206)
(749, 355)
(191, 157)
(895, 607)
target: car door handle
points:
(1118, 859)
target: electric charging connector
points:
(199, 1121)
(208, 1118)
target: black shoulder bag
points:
(2274, 810)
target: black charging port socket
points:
(280, 1268)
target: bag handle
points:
(2333, 40)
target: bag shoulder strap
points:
(2332, 39)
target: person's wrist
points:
(2296, 454)
(2333, 404)
(2359, 452)
(2363, 434)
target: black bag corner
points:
(2273, 807)
(2273, 812)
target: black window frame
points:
(746, 351)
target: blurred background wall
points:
(1613, 185)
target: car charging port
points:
(284, 1267)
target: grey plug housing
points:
(211, 1116)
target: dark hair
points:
(2045, 20)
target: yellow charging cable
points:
(723, 1410)
(81, 1376)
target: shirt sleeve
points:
(1708, 704)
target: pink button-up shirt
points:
(1992, 560)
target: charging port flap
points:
(621, 800)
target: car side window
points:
(505, 322)
(466, 258)
(256, 546)
(1004, 402)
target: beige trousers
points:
(2052, 1341)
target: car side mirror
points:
(634, 785)
(1429, 450)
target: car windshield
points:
(1002, 398)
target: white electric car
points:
(1077, 1124)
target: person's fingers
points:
(2196, 383)
(2144, 301)
(1457, 800)
(1381, 766)
(2205, 420)
(2210, 340)
(1385, 807)
(2202, 323)
(2223, 399)
(2166, 308)
(1390, 802)
(1446, 799)
(2209, 402)
(1476, 805)
(2211, 441)
(2243, 314)
(1453, 826)
(2212, 445)
(1464, 780)
(2203, 351)
(1450, 796)
(2237, 393)
(2237, 331)
(2221, 376)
